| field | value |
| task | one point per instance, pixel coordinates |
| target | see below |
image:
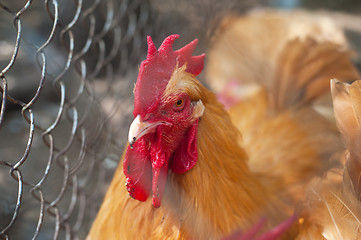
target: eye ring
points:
(179, 103)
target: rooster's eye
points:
(179, 103)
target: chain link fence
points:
(65, 70)
(67, 74)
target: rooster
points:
(183, 136)
(186, 173)
(333, 208)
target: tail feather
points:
(334, 212)
(303, 52)
(333, 208)
(304, 69)
(347, 106)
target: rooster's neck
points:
(203, 196)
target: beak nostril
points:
(132, 142)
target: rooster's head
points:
(167, 108)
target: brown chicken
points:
(288, 71)
(210, 191)
(246, 49)
(333, 207)
(186, 153)
(285, 111)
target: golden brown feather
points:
(304, 68)
(279, 124)
(246, 48)
(288, 149)
(333, 207)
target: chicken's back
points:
(245, 48)
(287, 139)
(285, 149)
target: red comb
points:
(156, 70)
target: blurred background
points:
(67, 73)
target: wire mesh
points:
(62, 64)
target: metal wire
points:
(83, 52)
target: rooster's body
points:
(205, 179)
(212, 200)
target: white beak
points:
(138, 128)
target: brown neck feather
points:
(219, 194)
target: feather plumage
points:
(304, 68)
(271, 48)
(283, 109)
(245, 48)
(333, 207)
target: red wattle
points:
(186, 155)
(138, 170)
(158, 184)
